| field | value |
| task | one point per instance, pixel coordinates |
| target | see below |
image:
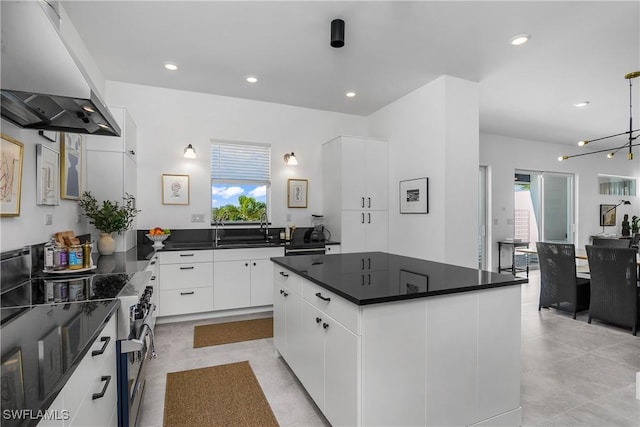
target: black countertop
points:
(378, 277)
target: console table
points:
(514, 245)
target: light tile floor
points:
(573, 373)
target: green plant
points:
(635, 224)
(109, 217)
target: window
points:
(240, 181)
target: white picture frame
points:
(47, 176)
(175, 189)
(297, 193)
(414, 196)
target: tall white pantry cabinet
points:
(112, 170)
(356, 192)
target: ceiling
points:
(578, 51)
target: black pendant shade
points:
(337, 33)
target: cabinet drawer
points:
(343, 311)
(286, 278)
(187, 275)
(246, 254)
(87, 375)
(177, 257)
(186, 301)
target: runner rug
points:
(225, 395)
(224, 333)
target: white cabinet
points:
(358, 169)
(111, 169)
(90, 395)
(185, 282)
(243, 277)
(287, 317)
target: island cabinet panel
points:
(287, 317)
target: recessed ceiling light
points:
(581, 104)
(252, 79)
(350, 94)
(520, 39)
(171, 67)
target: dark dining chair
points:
(560, 287)
(612, 243)
(614, 287)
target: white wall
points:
(503, 155)
(29, 227)
(168, 120)
(433, 132)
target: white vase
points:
(106, 244)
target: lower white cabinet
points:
(185, 282)
(287, 317)
(90, 395)
(243, 277)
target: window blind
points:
(241, 162)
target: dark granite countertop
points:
(378, 277)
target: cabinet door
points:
(261, 282)
(231, 284)
(280, 320)
(353, 237)
(294, 330)
(341, 374)
(377, 226)
(353, 174)
(130, 136)
(377, 175)
(105, 175)
(312, 363)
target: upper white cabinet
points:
(127, 141)
(111, 169)
(356, 192)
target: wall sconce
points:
(290, 159)
(189, 152)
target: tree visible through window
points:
(240, 181)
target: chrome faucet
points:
(218, 221)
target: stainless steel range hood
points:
(42, 85)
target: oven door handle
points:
(136, 344)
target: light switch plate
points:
(197, 217)
(48, 219)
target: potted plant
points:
(635, 224)
(108, 217)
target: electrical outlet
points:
(48, 219)
(197, 217)
(288, 217)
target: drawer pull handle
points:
(106, 341)
(107, 380)
(325, 325)
(318, 320)
(281, 291)
(285, 294)
(152, 263)
(187, 293)
(153, 278)
(282, 273)
(368, 202)
(319, 295)
(186, 254)
(187, 268)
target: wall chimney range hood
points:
(42, 85)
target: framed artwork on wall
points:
(47, 175)
(414, 196)
(11, 156)
(175, 189)
(71, 165)
(607, 215)
(297, 193)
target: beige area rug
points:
(225, 395)
(224, 333)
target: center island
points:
(383, 339)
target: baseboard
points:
(510, 419)
(213, 314)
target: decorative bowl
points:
(157, 239)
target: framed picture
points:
(71, 166)
(47, 179)
(414, 196)
(50, 366)
(49, 134)
(12, 380)
(11, 155)
(175, 189)
(607, 215)
(297, 193)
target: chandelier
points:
(632, 133)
